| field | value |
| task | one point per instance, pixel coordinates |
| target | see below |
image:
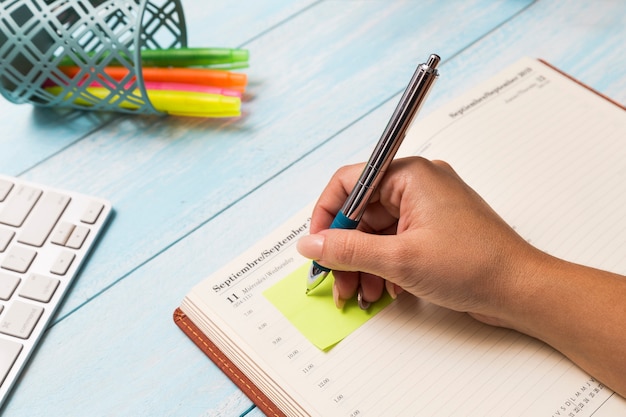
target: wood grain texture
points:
(190, 194)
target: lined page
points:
(549, 156)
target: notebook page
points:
(414, 358)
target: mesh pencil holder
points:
(56, 53)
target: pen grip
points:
(341, 221)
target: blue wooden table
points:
(191, 194)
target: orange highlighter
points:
(201, 76)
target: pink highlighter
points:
(162, 85)
(157, 85)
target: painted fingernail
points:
(363, 305)
(311, 246)
(339, 303)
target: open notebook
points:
(549, 155)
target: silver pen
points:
(386, 148)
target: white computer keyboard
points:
(45, 234)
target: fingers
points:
(333, 197)
(357, 259)
(348, 250)
(345, 286)
(381, 213)
(367, 287)
(347, 253)
(370, 290)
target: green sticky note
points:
(315, 314)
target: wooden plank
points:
(584, 39)
(34, 134)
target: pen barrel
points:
(410, 103)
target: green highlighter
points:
(225, 58)
(219, 58)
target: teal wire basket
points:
(54, 53)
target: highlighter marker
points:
(201, 76)
(224, 58)
(170, 102)
(156, 85)
(195, 57)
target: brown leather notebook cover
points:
(229, 369)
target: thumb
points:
(349, 250)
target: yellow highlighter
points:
(173, 102)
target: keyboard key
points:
(5, 188)
(5, 238)
(62, 233)
(8, 354)
(90, 216)
(8, 284)
(78, 237)
(43, 219)
(39, 287)
(63, 262)
(20, 319)
(19, 204)
(18, 259)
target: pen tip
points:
(316, 276)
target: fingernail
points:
(364, 305)
(311, 246)
(339, 303)
(391, 289)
